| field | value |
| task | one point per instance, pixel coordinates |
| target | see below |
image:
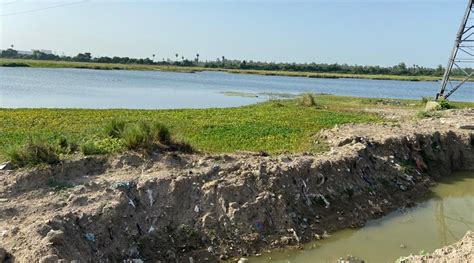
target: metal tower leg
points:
(463, 52)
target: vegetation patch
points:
(276, 126)
(33, 153)
(14, 65)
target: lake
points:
(84, 88)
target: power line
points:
(44, 8)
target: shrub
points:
(308, 100)
(445, 105)
(33, 153)
(104, 146)
(115, 128)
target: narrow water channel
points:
(441, 218)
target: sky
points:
(365, 32)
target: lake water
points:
(442, 218)
(83, 88)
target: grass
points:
(275, 126)
(106, 66)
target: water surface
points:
(442, 218)
(84, 88)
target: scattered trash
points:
(196, 209)
(326, 202)
(151, 229)
(121, 185)
(259, 226)
(90, 237)
(130, 201)
(150, 196)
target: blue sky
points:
(366, 32)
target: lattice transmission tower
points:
(462, 56)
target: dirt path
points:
(170, 207)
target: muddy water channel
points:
(441, 218)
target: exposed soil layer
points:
(462, 251)
(170, 207)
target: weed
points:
(58, 185)
(115, 128)
(444, 105)
(308, 100)
(429, 114)
(160, 133)
(103, 146)
(137, 136)
(425, 100)
(408, 166)
(33, 153)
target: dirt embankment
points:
(462, 251)
(170, 207)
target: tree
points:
(177, 55)
(83, 57)
(9, 53)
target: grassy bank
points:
(274, 126)
(171, 68)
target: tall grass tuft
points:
(160, 133)
(308, 100)
(33, 153)
(115, 128)
(137, 136)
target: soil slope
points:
(170, 207)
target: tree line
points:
(400, 69)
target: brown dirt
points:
(460, 252)
(170, 207)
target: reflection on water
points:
(83, 88)
(440, 219)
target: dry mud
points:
(194, 207)
(462, 251)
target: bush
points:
(115, 128)
(137, 136)
(104, 146)
(33, 153)
(445, 105)
(308, 100)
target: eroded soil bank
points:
(170, 207)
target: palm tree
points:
(12, 46)
(177, 55)
(182, 58)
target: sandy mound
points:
(460, 252)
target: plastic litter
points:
(121, 185)
(150, 196)
(130, 201)
(90, 237)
